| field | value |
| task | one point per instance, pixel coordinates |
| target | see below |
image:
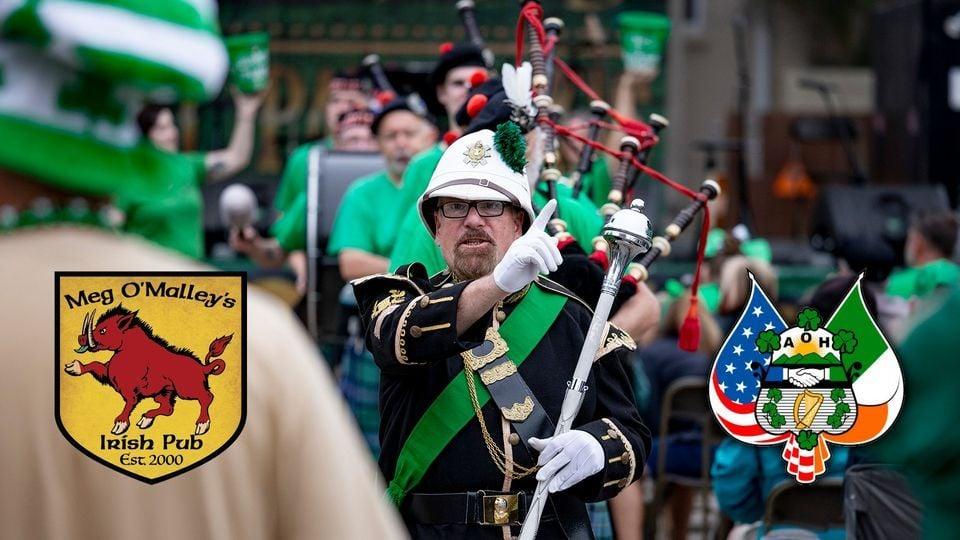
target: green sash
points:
(452, 410)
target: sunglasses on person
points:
(460, 209)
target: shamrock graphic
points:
(845, 341)
(768, 341)
(809, 319)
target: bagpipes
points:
(626, 233)
(384, 90)
(635, 149)
(465, 8)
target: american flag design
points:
(738, 371)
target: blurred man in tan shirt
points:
(298, 469)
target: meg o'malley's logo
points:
(806, 385)
(150, 369)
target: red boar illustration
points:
(144, 365)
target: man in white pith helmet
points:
(475, 361)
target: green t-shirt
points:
(756, 248)
(417, 175)
(367, 219)
(596, 183)
(293, 183)
(414, 243)
(923, 280)
(290, 228)
(708, 293)
(173, 217)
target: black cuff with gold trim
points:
(620, 461)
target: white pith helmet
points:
(472, 169)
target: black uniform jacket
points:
(410, 324)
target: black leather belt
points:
(472, 508)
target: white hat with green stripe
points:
(74, 74)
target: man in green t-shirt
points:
(353, 133)
(369, 215)
(364, 231)
(367, 221)
(930, 245)
(345, 92)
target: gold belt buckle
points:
(501, 509)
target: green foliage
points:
(768, 341)
(837, 394)
(770, 408)
(807, 439)
(809, 319)
(511, 146)
(845, 341)
(840, 412)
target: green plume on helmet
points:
(511, 146)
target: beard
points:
(474, 261)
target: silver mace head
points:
(628, 233)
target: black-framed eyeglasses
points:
(460, 209)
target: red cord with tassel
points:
(690, 330)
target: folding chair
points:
(816, 506)
(685, 401)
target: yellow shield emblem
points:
(150, 370)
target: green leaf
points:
(809, 319)
(845, 341)
(768, 341)
(837, 394)
(835, 420)
(775, 395)
(807, 439)
(842, 408)
(777, 420)
(770, 408)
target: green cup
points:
(643, 37)
(249, 61)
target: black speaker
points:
(915, 45)
(867, 225)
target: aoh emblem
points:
(806, 385)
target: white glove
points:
(567, 459)
(534, 252)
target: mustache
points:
(474, 234)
